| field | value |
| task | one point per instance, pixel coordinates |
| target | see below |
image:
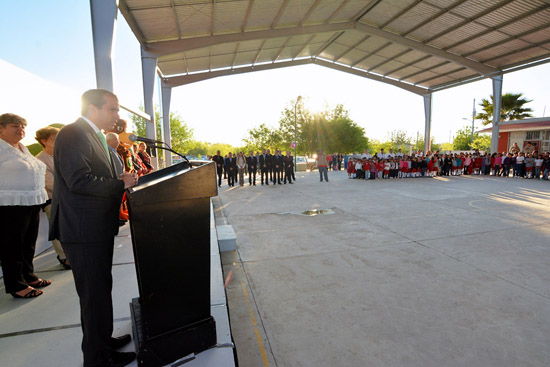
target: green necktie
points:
(102, 138)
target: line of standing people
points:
(271, 167)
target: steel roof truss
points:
(369, 54)
(281, 50)
(279, 14)
(307, 44)
(336, 58)
(186, 44)
(311, 9)
(496, 28)
(466, 20)
(470, 64)
(426, 21)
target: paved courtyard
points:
(423, 272)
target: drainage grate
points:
(312, 212)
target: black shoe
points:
(119, 359)
(290, 182)
(64, 263)
(119, 342)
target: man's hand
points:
(129, 179)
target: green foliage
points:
(463, 140)
(511, 109)
(399, 140)
(263, 137)
(35, 148)
(205, 149)
(331, 130)
(445, 147)
(181, 134)
(482, 142)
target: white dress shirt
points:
(22, 177)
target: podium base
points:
(174, 345)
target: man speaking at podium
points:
(85, 207)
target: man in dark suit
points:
(85, 207)
(269, 160)
(231, 164)
(113, 142)
(288, 162)
(219, 166)
(252, 164)
(262, 161)
(277, 162)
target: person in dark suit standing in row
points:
(277, 164)
(85, 208)
(231, 165)
(265, 166)
(219, 166)
(288, 161)
(252, 164)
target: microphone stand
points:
(167, 147)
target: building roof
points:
(542, 123)
(419, 45)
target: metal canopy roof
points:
(419, 45)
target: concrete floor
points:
(423, 272)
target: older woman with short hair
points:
(22, 193)
(46, 138)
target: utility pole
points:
(473, 118)
(295, 128)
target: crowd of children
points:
(389, 165)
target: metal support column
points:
(428, 122)
(149, 70)
(497, 103)
(166, 97)
(104, 15)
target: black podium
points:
(170, 224)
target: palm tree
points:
(511, 109)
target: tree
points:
(263, 137)
(463, 140)
(511, 109)
(181, 134)
(399, 140)
(482, 142)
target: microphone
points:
(134, 138)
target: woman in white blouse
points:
(22, 193)
(46, 138)
(241, 165)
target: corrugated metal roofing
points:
(419, 45)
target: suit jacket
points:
(118, 164)
(288, 162)
(87, 194)
(261, 161)
(252, 163)
(231, 163)
(219, 160)
(277, 160)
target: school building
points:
(535, 131)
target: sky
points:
(46, 63)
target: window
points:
(546, 135)
(532, 135)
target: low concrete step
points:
(227, 239)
